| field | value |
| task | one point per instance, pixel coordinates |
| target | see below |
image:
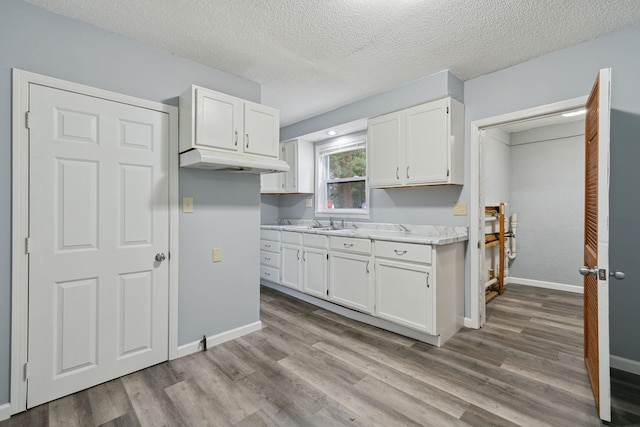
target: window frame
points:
(336, 146)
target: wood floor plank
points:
(311, 367)
(108, 401)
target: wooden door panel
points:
(596, 309)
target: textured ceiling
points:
(312, 56)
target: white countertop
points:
(420, 234)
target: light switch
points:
(217, 254)
(187, 204)
(460, 209)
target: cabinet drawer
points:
(269, 273)
(403, 251)
(314, 240)
(270, 235)
(270, 259)
(292, 237)
(269, 246)
(350, 244)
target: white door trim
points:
(20, 216)
(477, 316)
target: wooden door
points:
(98, 296)
(596, 243)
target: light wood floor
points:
(310, 367)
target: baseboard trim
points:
(5, 411)
(187, 349)
(546, 285)
(468, 323)
(624, 364)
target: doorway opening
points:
(519, 138)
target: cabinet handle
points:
(267, 274)
(398, 172)
(304, 256)
(236, 143)
(428, 280)
(267, 259)
(368, 267)
(399, 252)
(348, 245)
(407, 172)
(298, 254)
(267, 246)
(247, 140)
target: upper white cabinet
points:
(421, 145)
(299, 156)
(214, 121)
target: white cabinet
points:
(270, 255)
(299, 156)
(350, 273)
(291, 270)
(315, 265)
(420, 286)
(404, 293)
(421, 145)
(215, 121)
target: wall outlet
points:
(460, 209)
(187, 204)
(308, 202)
(217, 254)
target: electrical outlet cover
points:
(460, 209)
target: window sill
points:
(339, 213)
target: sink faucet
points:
(331, 222)
(342, 226)
(405, 229)
(316, 223)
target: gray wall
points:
(35, 40)
(570, 73)
(269, 209)
(437, 85)
(547, 193)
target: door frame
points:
(20, 217)
(477, 315)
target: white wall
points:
(212, 299)
(547, 193)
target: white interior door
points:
(98, 299)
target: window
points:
(342, 178)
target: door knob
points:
(619, 275)
(160, 257)
(585, 271)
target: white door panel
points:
(98, 300)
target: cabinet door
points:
(218, 121)
(384, 134)
(273, 182)
(261, 130)
(291, 157)
(291, 263)
(350, 281)
(314, 267)
(426, 143)
(404, 294)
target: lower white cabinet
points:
(291, 264)
(350, 273)
(291, 271)
(270, 255)
(404, 293)
(315, 270)
(314, 267)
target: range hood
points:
(231, 162)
